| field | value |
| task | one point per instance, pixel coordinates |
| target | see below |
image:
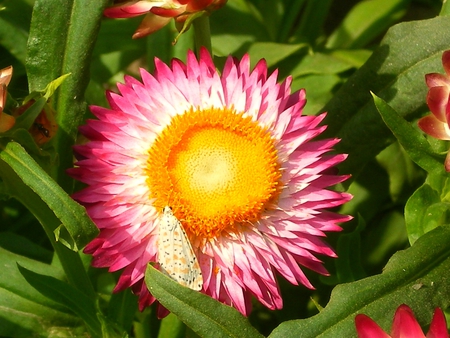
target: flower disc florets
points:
(232, 156)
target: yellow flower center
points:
(216, 168)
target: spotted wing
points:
(175, 254)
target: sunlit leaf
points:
(204, 315)
(365, 21)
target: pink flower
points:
(159, 13)
(404, 326)
(233, 157)
(437, 123)
(6, 121)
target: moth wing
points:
(175, 254)
(193, 277)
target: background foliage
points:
(339, 51)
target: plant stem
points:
(202, 34)
(445, 10)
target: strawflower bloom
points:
(6, 120)
(159, 13)
(405, 325)
(233, 157)
(437, 123)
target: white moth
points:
(175, 254)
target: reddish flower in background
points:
(405, 325)
(6, 121)
(159, 13)
(233, 157)
(437, 123)
(44, 127)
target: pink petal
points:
(167, 12)
(433, 127)
(405, 324)
(128, 9)
(150, 24)
(367, 328)
(6, 121)
(198, 5)
(437, 80)
(6, 75)
(447, 162)
(446, 61)
(438, 100)
(438, 327)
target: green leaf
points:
(354, 57)
(24, 247)
(122, 308)
(289, 20)
(414, 143)
(25, 312)
(13, 158)
(65, 295)
(425, 264)
(204, 315)
(366, 21)
(395, 72)
(320, 63)
(234, 27)
(404, 175)
(14, 24)
(312, 19)
(318, 88)
(172, 327)
(348, 264)
(425, 211)
(50, 89)
(80, 229)
(272, 52)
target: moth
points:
(175, 254)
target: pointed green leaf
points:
(425, 211)
(348, 265)
(204, 315)
(414, 143)
(66, 295)
(172, 327)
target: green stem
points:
(71, 46)
(202, 34)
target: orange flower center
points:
(216, 168)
